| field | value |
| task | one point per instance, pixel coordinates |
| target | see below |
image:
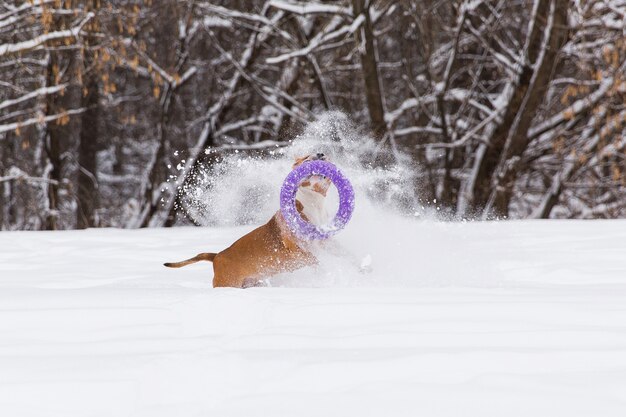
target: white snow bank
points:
(482, 319)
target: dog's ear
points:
(298, 161)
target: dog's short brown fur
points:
(267, 250)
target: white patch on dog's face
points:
(313, 206)
(312, 194)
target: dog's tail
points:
(197, 258)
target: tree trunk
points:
(61, 135)
(517, 140)
(56, 141)
(167, 58)
(87, 192)
(488, 156)
(369, 65)
(5, 187)
(158, 173)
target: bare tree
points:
(508, 108)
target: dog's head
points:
(316, 183)
(311, 195)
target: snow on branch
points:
(33, 94)
(226, 12)
(417, 130)
(472, 133)
(454, 94)
(163, 73)
(606, 22)
(470, 6)
(8, 16)
(262, 145)
(306, 8)
(572, 111)
(325, 36)
(266, 91)
(41, 39)
(244, 61)
(572, 163)
(17, 174)
(39, 120)
(255, 18)
(602, 209)
(173, 81)
(6, 24)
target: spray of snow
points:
(378, 245)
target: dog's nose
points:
(320, 156)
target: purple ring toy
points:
(296, 223)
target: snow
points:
(215, 21)
(520, 318)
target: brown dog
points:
(272, 248)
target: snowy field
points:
(475, 319)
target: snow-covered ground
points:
(456, 319)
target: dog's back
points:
(265, 251)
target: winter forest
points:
(505, 108)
